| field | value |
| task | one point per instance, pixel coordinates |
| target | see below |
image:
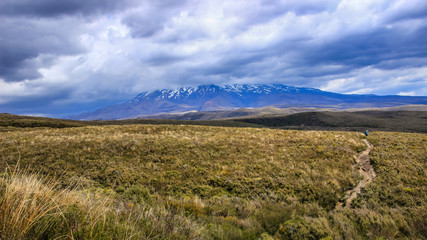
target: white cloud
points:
(381, 81)
(407, 93)
(339, 85)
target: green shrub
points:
(299, 228)
(138, 194)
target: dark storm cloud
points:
(150, 18)
(55, 8)
(143, 26)
(31, 39)
(402, 63)
(26, 46)
(160, 59)
(408, 10)
(308, 7)
(372, 48)
(266, 10)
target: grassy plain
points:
(200, 182)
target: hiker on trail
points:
(366, 133)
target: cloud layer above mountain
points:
(63, 57)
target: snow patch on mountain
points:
(199, 91)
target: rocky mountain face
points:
(212, 97)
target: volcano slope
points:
(199, 182)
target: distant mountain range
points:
(229, 97)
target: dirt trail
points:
(366, 170)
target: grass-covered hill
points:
(412, 121)
(11, 121)
(203, 182)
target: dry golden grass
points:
(32, 207)
(24, 201)
(189, 182)
(213, 158)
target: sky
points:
(59, 58)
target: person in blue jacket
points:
(366, 133)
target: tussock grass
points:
(32, 207)
(24, 201)
(196, 182)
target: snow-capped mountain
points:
(213, 97)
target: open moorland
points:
(79, 180)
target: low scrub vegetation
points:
(407, 121)
(197, 182)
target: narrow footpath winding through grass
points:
(366, 170)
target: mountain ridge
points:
(229, 97)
